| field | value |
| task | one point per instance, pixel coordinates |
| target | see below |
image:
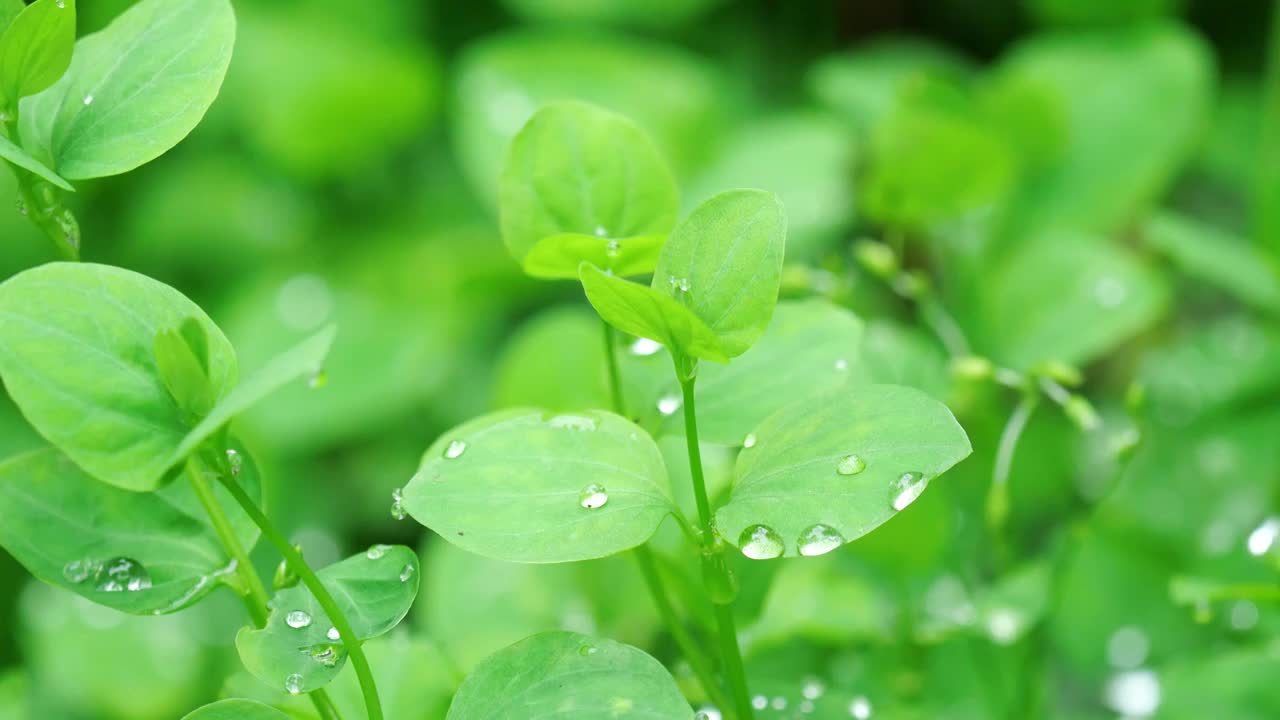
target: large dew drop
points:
(333, 634)
(397, 504)
(760, 542)
(905, 490)
(593, 496)
(375, 552)
(851, 465)
(293, 684)
(234, 461)
(819, 540)
(454, 449)
(121, 575)
(405, 573)
(297, 619)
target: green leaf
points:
(374, 590)
(570, 676)
(816, 342)
(559, 256)
(843, 463)
(134, 90)
(36, 48)
(1227, 262)
(576, 168)
(576, 379)
(182, 358)
(825, 602)
(725, 263)
(531, 486)
(19, 157)
(237, 710)
(67, 529)
(302, 360)
(1068, 297)
(645, 312)
(77, 355)
(10, 9)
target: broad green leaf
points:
(646, 312)
(69, 530)
(14, 695)
(134, 90)
(572, 677)
(10, 9)
(1238, 683)
(829, 469)
(674, 95)
(77, 345)
(577, 378)
(19, 157)
(824, 602)
(237, 710)
(36, 48)
(559, 256)
(897, 354)
(1216, 368)
(810, 347)
(296, 652)
(529, 485)
(807, 158)
(1227, 262)
(579, 169)
(724, 262)
(1136, 101)
(306, 359)
(1068, 297)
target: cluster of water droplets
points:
(118, 574)
(681, 284)
(397, 504)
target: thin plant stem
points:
(364, 675)
(730, 653)
(256, 601)
(701, 666)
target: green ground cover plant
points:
(948, 391)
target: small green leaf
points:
(531, 486)
(19, 157)
(830, 469)
(302, 360)
(818, 343)
(577, 378)
(134, 90)
(184, 368)
(297, 650)
(1227, 262)
(725, 263)
(646, 312)
(237, 710)
(576, 168)
(77, 355)
(560, 256)
(36, 48)
(574, 677)
(68, 529)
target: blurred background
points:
(1085, 181)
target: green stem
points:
(355, 650)
(730, 653)
(998, 493)
(257, 600)
(615, 376)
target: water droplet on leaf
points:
(297, 619)
(645, 347)
(851, 465)
(88, 99)
(613, 249)
(397, 504)
(749, 441)
(760, 542)
(586, 650)
(121, 575)
(375, 552)
(405, 573)
(860, 708)
(333, 634)
(77, 571)
(293, 684)
(905, 490)
(593, 496)
(1263, 538)
(819, 540)
(669, 404)
(454, 449)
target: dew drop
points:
(759, 702)
(669, 404)
(77, 571)
(842, 365)
(454, 449)
(1135, 694)
(333, 634)
(905, 490)
(61, 4)
(760, 542)
(88, 99)
(586, 650)
(572, 422)
(297, 619)
(1263, 538)
(375, 552)
(819, 540)
(593, 496)
(293, 684)
(644, 347)
(234, 461)
(405, 573)
(601, 231)
(612, 249)
(397, 504)
(708, 713)
(749, 441)
(121, 575)
(1004, 625)
(851, 465)
(860, 708)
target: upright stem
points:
(615, 376)
(256, 602)
(299, 566)
(730, 653)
